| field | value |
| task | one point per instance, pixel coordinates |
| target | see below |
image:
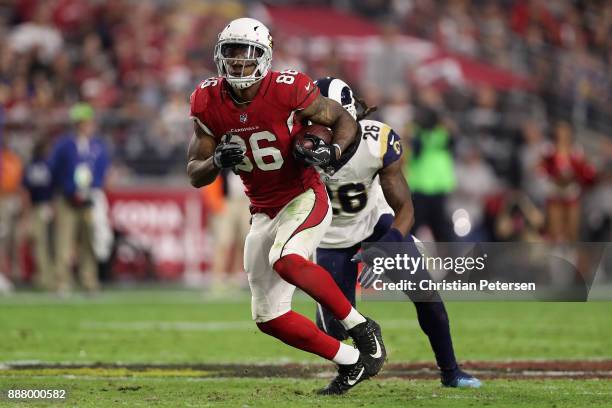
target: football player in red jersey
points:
(244, 119)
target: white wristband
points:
(339, 148)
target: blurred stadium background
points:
(521, 90)
(504, 79)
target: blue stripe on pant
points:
(338, 263)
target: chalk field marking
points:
(241, 325)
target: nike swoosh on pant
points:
(378, 353)
(353, 382)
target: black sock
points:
(433, 320)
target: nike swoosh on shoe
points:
(378, 353)
(353, 382)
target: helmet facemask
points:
(347, 100)
(243, 53)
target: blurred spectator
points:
(533, 180)
(38, 36)
(385, 64)
(79, 162)
(230, 227)
(516, 218)
(431, 175)
(456, 29)
(176, 126)
(569, 172)
(373, 8)
(398, 112)
(484, 125)
(38, 183)
(136, 62)
(11, 169)
(476, 181)
(598, 205)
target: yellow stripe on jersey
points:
(384, 136)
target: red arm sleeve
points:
(585, 172)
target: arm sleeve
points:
(55, 160)
(101, 166)
(391, 148)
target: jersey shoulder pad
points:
(295, 87)
(382, 141)
(200, 100)
(204, 92)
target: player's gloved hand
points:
(322, 154)
(372, 251)
(228, 154)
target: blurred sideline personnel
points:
(569, 173)
(11, 169)
(230, 227)
(78, 162)
(430, 171)
(366, 189)
(244, 120)
(38, 183)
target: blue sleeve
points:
(101, 166)
(24, 178)
(393, 148)
(55, 163)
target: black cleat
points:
(368, 339)
(348, 376)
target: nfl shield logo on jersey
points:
(243, 117)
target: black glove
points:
(368, 275)
(322, 154)
(228, 154)
(383, 248)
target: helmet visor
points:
(241, 51)
(239, 59)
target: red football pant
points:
(297, 331)
(315, 281)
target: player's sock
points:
(433, 320)
(297, 331)
(315, 281)
(346, 355)
(353, 319)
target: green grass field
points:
(173, 328)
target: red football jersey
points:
(271, 175)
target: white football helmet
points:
(255, 37)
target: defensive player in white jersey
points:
(371, 202)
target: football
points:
(305, 135)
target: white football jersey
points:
(354, 190)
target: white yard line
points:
(208, 326)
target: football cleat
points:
(349, 375)
(368, 339)
(460, 379)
